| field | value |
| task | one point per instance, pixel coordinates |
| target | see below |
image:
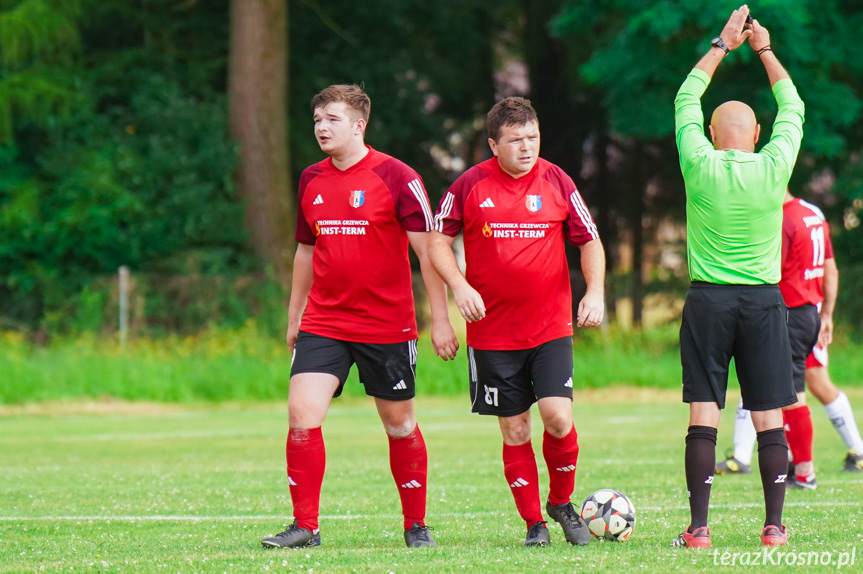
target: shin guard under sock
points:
(307, 460)
(561, 458)
(773, 463)
(409, 465)
(798, 434)
(519, 468)
(700, 460)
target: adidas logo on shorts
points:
(569, 468)
(568, 383)
(411, 484)
(519, 483)
(291, 481)
(400, 386)
(318, 200)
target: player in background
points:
(351, 302)
(515, 211)
(734, 307)
(810, 284)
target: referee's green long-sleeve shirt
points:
(734, 198)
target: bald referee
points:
(734, 308)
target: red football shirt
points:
(805, 246)
(357, 221)
(514, 233)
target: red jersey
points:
(514, 249)
(805, 246)
(357, 220)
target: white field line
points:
(181, 518)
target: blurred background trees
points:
(167, 135)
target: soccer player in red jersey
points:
(809, 285)
(515, 211)
(351, 302)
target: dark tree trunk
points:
(258, 87)
(637, 208)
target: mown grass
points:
(245, 364)
(195, 489)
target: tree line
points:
(167, 135)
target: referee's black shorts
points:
(748, 323)
(804, 323)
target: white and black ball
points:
(609, 514)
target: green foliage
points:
(38, 39)
(120, 158)
(39, 30)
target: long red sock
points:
(561, 457)
(409, 465)
(519, 468)
(307, 460)
(798, 432)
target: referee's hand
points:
(591, 310)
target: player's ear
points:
(757, 132)
(361, 126)
(493, 145)
(712, 134)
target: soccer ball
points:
(609, 514)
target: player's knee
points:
(558, 422)
(516, 431)
(401, 428)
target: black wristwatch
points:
(717, 42)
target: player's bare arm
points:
(467, 299)
(736, 32)
(591, 308)
(301, 284)
(444, 341)
(760, 43)
(831, 291)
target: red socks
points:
(561, 457)
(409, 465)
(519, 468)
(798, 432)
(307, 460)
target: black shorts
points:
(387, 370)
(747, 322)
(804, 323)
(507, 383)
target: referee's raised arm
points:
(784, 144)
(688, 117)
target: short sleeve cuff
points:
(700, 74)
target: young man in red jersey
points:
(515, 211)
(351, 302)
(809, 285)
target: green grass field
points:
(152, 488)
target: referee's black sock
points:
(773, 464)
(700, 460)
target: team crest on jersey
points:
(358, 197)
(533, 202)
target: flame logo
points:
(486, 229)
(317, 228)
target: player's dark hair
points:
(512, 111)
(353, 95)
